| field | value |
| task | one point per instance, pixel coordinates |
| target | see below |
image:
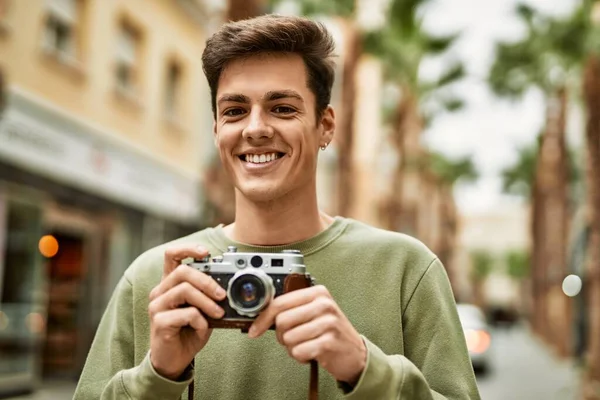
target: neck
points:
(291, 218)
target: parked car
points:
(477, 335)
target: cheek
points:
(225, 140)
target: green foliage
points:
(517, 264)
(452, 171)
(518, 178)
(342, 8)
(455, 73)
(482, 263)
(552, 51)
(439, 44)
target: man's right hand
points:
(178, 333)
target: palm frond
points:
(525, 12)
(453, 74)
(452, 171)
(439, 44)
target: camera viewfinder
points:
(277, 262)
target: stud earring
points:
(324, 146)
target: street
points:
(523, 369)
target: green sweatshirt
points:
(390, 286)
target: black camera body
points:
(252, 281)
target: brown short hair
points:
(274, 34)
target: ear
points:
(328, 125)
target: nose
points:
(257, 127)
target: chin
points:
(261, 193)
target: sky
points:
(489, 129)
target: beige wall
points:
(86, 88)
(502, 229)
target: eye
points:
(233, 112)
(283, 110)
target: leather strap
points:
(313, 388)
(313, 384)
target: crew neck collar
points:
(218, 238)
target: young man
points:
(382, 323)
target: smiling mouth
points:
(260, 158)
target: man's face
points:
(266, 128)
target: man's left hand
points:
(311, 326)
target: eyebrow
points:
(235, 98)
(282, 94)
(269, 96)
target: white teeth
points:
(263, 158)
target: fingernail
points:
(252, 332)
(219, 311)
(220, 292)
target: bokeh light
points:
(572, 285)
(48, 246)
(35, 322)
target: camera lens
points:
(247, 291)
(256, 261)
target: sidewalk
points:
(524, 369)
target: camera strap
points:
(313, 385)
(313, 388)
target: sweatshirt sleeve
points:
(436, 363)
(109, 372)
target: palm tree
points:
(591, 86)
(545, 59)
(449, 172)
(402, 44)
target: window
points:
(60, 28)
(127, 71)
(172, 91)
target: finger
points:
(312, 349)
(284, 302)
(176, 253)
(288, 319)
(309, 331)
(199, 280)
(185, 293)
(174, 320)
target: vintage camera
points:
(252, 281)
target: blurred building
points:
(499, 231)
(104, 119)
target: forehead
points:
(254, 76)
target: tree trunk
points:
(345, 134)
(592, 280)
(448, 233)
(243, 9)
(552, 176)
(550, 227)
(406, 127)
